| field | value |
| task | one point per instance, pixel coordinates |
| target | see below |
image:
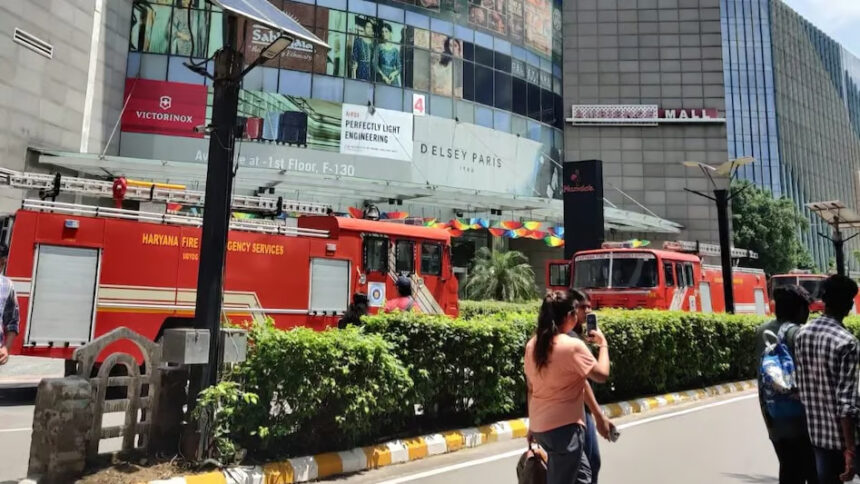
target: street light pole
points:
(721, 196)
(219, 188)
(839, 246)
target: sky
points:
(840, 19)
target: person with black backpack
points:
(778, 394)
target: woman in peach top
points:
(558, 368)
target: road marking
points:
(514, 453)
(685, 412)
(16, 430)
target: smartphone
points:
(590, 323)
(614, 434)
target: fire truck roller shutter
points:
(62, 306)
(705, 291)
(330, 283)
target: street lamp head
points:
(275, 48)
(728, 168)
(697, 164)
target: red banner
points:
(160, 107)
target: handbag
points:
(531, 468)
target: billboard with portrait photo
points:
(188, 30)
(150, 27)
(538, 25)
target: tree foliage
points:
(769, 226)
(502, 276)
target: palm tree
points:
(503, 276)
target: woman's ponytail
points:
(554, 309)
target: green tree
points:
(770, 227)
(503, 276)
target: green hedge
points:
(317, 390)
(335, 390)
(463, 370)
(476, 309)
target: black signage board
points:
(583, 206)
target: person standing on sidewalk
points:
(595, 421)
(557, 369)
(788, 435)
(9, 302)
(827, 355)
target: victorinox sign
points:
(159, 107)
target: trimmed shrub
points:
(463, 371)
(317, 391)
(659, 351)
(475, 309)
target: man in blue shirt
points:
(9, 303)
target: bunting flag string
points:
(553, 236)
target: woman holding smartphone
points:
(595, 421)
(558, 368)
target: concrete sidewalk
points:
(28, 371)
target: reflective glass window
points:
(484, 85)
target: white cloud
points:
(838, 18)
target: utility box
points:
(185, 346)
(234, 345)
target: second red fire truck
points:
(674, 278)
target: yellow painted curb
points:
(278, 473)
(328, 464)
(208, 478)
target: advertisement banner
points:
(159, 107)
(583, 206)
(268, 156)
(464, 155)
(381, 133)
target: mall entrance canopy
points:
(314, 187)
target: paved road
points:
(719, 442)
(15, 424)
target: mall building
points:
(444, 109)
(653, 83)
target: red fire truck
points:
(805, 279)
(674, 278)
(81, 271)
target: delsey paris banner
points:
(159, 107)
(463, 155)
(383, 133)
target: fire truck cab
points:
(618, 276)
(804, 279)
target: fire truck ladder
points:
(712, 250)
(50, 186)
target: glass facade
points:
(496, 63)
(792, 102)
(749, 84)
